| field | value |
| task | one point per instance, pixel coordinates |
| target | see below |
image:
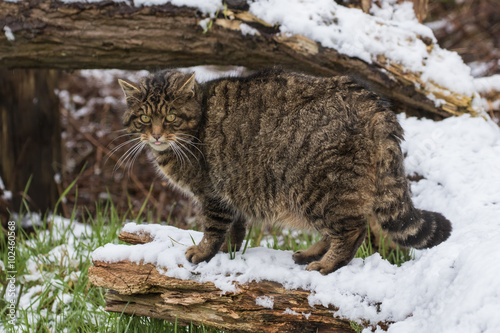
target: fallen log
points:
(265, 306)
(141, 290)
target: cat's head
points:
(162, 108)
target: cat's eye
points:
(145, 119)
(170, 117)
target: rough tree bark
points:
(30, 139)
(50, 34)
(139, 289)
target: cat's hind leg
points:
(236, 235)
(345, 239)
(217, 219)
(314, 252)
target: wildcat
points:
(282, 147)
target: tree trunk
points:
(140, 289)
(49, 34)
(30, 136)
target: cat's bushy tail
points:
(393, 208)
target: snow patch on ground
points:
(450, 288)
(65, 257)
(7, 195)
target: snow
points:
(291, 312)
(206, 6)
(480, 68)
(7, 195)
(8, 33)
(487, 84)
(450, 288)
(265, 301)
(391, 31)
(207, 73)
(248, 30)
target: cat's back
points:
(274, 107)
(255, 112)
(270, 133)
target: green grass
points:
(55, 294)
(52, 264)
(388, 251)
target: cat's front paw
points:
(323, 267)
(195, 254)
(302, 257)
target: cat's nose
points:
(156, 136)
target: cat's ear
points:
(130, 90)
(187, 86)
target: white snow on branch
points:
(248, 30)
(265, 301)
(487, 84)
(392, 31)
(291, 312)
(205, 6)
(8, 33)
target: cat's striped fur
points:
(282, 147)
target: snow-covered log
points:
(265, 306)
(390, 51)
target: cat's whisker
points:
(126, 156)
(177, 155)
(131, 160)
(120, 130)
(135, 154)
(185, 135)
(192, 145)
(114, 150)
(132, 154)
(187, 139)
(178, 146)
(121, 136)
(123, 144)
(188, 150)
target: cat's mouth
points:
(158, 145)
